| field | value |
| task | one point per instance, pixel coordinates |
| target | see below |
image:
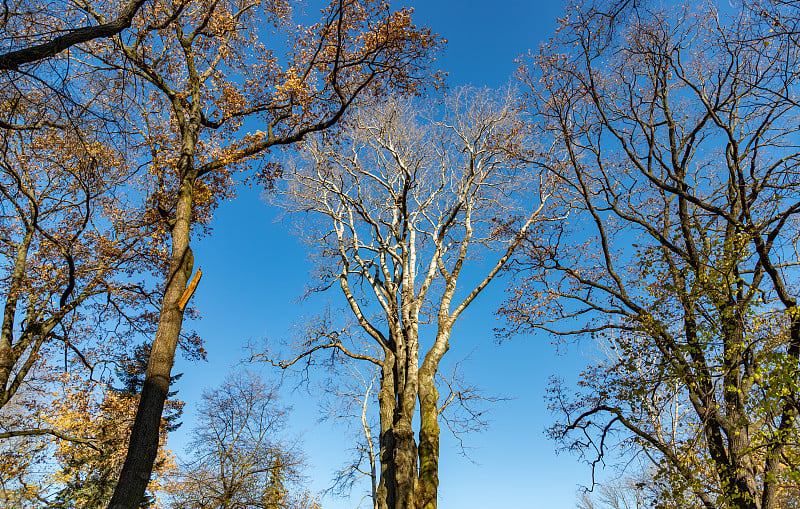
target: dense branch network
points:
(678, 152)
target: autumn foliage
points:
(642, 189)
(135, 141)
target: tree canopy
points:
(637, 183)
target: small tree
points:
(240, 460)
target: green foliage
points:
(89, 474)
(131, 371)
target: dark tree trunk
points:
(143, 446)
(398, 482)
(387, 494)
(405, 464)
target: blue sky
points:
(251, 285)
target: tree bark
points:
(427, 489)
(386, 494)
(405, 461)
(143, 447)
(398, 483)
(13, 59)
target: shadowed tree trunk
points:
(143, 446)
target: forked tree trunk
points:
(409, 472)
(398, 448)
(143, 447)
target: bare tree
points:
(397, 208)
(627, 492)
(240, 458)
(352, 398)
(678, 147)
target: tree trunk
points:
(428, 484)
(143, 446)
(740, 482)
(405, 461)
(386, 493)
(398, 482)
(7, 357)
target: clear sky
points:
(254, 269)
